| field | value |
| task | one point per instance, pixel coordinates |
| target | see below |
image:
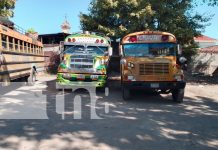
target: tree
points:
(211, 2)
(6, 8)
(31, 30)
(119, 17)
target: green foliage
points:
(31, 30)
(190, 50)
(6, 8)
(211, 2)
(117, 18)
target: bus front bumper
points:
(155, 85)
(72, 82)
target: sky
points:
(46, 16)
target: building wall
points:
(51, 48)
(206, 44)
(205, 63)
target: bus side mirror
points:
(110, 51)
(183, 63)
(61, 47)
(121, 51)
(61, 57)
(179, 49)
(182, 60)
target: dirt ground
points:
(29, 119)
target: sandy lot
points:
(34, 118)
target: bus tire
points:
(126, 93)
(6, 80)
(100, 89)
(59, 87)
(178, 95)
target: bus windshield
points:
(74, 49)
(97, 50)
(150, 49)
(94, 50)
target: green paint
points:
(72, 78)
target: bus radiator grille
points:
(154, 69)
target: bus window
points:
(11, 44)
(31, 48)
(74, 49)
(97, 50)
(21, 46)
(4, 42)
(151, 49)
(16, 44)
(25, 47)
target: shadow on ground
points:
(147, 122)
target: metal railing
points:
(19, 29)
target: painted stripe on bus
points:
(14, 71)
(24, 54)
(21, 62)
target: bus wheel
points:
(100, 89)
(6, 80)
(126, 93)
(178, 95)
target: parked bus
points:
(150, 61)
(20, 55)
(85, 58)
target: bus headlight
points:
(102, 62)
(130, 78)
(131, 65)
(178, 77)
(67, 76)
(123, 61)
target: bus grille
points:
(81, 62)
(154, 69)
(77, 66)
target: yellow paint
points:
(137, 61)
(32, 47)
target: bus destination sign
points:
(149, 38)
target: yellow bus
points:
(150, 61)
(20, 55)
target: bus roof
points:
(149, 37)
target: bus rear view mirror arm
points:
(179, 50)
(110, 51)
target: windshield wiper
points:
(98, 48)
(67, 49)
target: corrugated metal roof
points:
(211, 49)
(204, 38)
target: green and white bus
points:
(85, 58)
